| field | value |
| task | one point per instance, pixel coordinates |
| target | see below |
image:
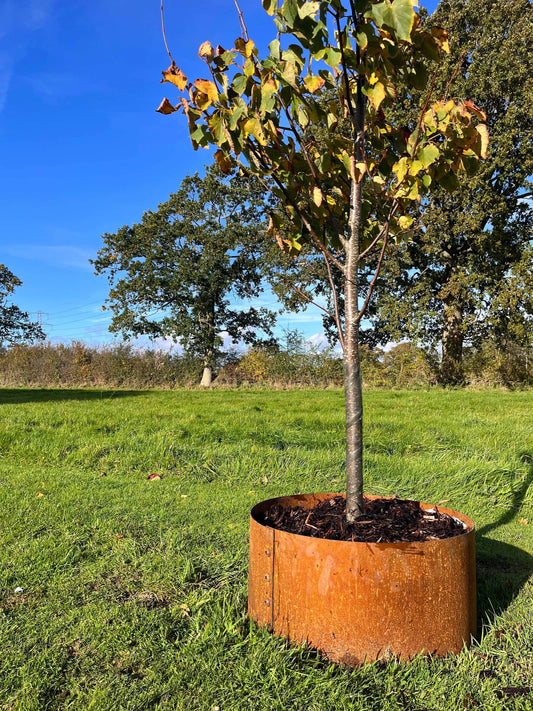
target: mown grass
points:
(134, 590)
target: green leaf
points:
(428, 154)
(332, 57)
(200, 136)
(397, 16)
(270, 6)
(308, 8)
(288, 73)
(303, 116)
(268, 98)
(249, 68)
(289, 12)
(274, 49)
(240, 83)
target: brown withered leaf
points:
(514, 691)
(223, 162)
(165, 107)
(175, 76)
(154, 477)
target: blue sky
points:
(82, 149)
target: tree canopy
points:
(351, 198)
(15, 324)
(174, 274)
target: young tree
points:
(351, 199)
(173, 273)
(15, 325)
(450, 285)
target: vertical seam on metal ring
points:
(272, 589)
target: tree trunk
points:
(451, 369)
(352, 380)
(352, 363)
(207, 376)
(208, 327)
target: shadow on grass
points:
(502, 569)
(16, 396)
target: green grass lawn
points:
(134, 590)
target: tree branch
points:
(336, 314)
(375, 278)
(165, 36)
(241, 20)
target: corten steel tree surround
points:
(360, 602)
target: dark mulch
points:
(383, 521)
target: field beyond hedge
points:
(124, 590)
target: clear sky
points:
(82, 150)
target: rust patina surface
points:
(359, 602)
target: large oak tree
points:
(182, 271)
(468, 276)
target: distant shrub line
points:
(123, 366)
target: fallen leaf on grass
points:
(514, 691)
(443, 501)
(185, 496)
(153, 477)
(39, 495)
(523, 521)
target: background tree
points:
(352, 199)
(468, 276)
(174, 273)
(15, 325)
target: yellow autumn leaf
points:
(208, 88)
(39, 495)
(484, 136)
(376, 94)
(244, 48)
(206, 50)
(442, 38)
(317, 196)
(314, 83)
(175, 76)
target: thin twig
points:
(345, 73)
(423, 111)
(379, 264)
(309, 299)
(373, 282)
(165, 36)
(241, 19)
(335, 303)
(456, 71)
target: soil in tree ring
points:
(388, 520)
